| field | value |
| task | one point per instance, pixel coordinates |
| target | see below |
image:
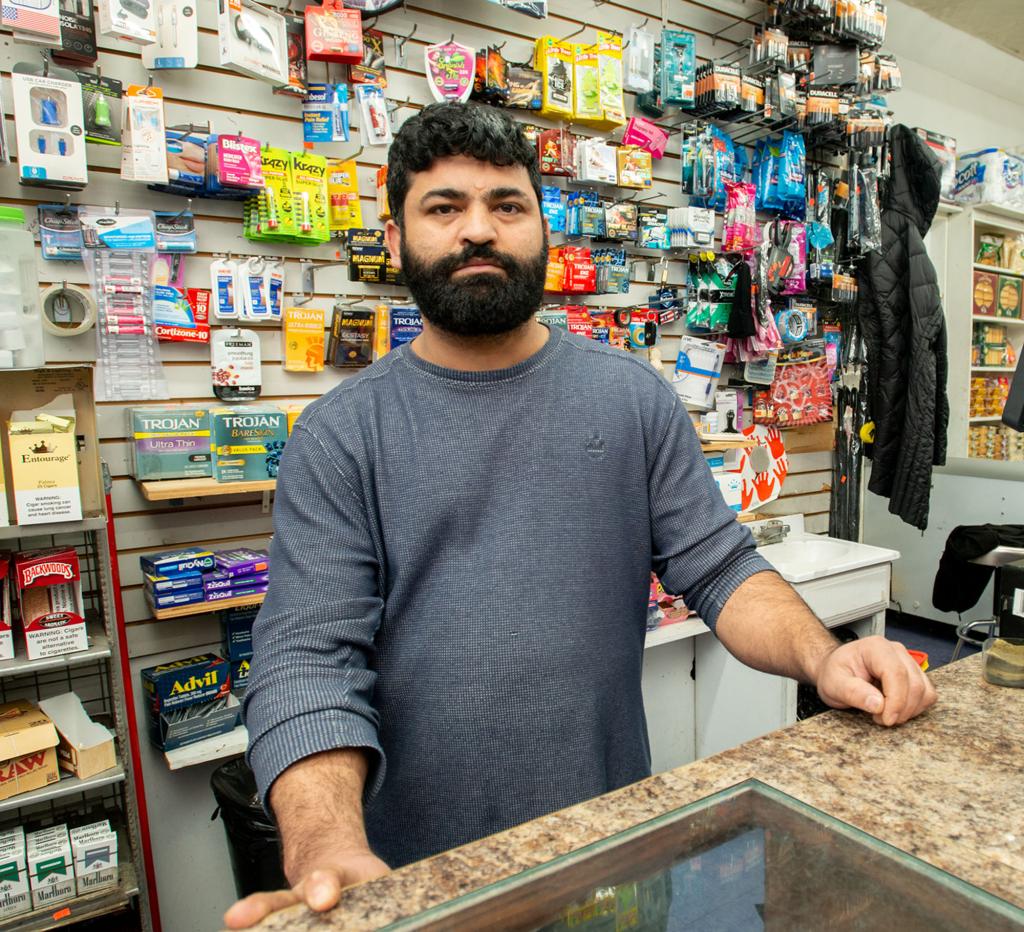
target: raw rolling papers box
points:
(177, 563)
(50, 868)
(178, 727)
(170, 443)
(184, 682)
(94, 853)
(14, 892)
(28, 746)
(248, 442)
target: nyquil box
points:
(51, 872)
(14, 896)
(94, 849)
(170, 443)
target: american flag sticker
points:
(36, 16)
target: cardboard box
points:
(86, 748)
(28, 749)
(222, 595)
(94, 854)
(189, 582)
(302, 332)
(160, 600)
(248, 442)
(6, 619)
(236, 631)
(1008, 297)
(221, 582)
(43, 457)
(40, 388)
(178, 727)
(51, 870)
(170, 443)
(50, 596)
(983, 295)
(14, 892)
(204, 678)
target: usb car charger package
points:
(253, 40)
(177, 36)
(101, 103)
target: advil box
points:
(184, 682)
(28, 749)
(50, 594)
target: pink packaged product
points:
(740, 233)
(239, 162)
(795, 281)
(646, 135)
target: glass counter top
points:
(747, 858)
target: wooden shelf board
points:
(204, 608)
(722, 447)
(91, 523)
(209, 749)
(164, 490)
(993, 368)
(990, 319)
(987, 419)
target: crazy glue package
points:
(334, 33)
(50, 594)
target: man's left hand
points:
(877, 676)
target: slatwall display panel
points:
(233, 102)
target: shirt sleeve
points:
(310, 683)
(699, 550)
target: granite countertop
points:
(929, 787)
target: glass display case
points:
(744, 859)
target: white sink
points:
(803, 557)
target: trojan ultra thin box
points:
(170, 443)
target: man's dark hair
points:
(452, 128)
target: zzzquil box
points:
(247, 442)
(51, 870)
(94, 853)
(170, 442)
(14, 893)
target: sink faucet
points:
(773, 532)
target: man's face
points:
(473, 246)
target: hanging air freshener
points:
(450, 70)
(235, 365)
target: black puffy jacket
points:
(905, 331)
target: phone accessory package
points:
(49, 124)
(134, 20)
(253, 40)
(177, 36)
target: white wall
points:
(962, 87)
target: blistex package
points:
(235, 364)
(170, 442)
(177, 36)
(60, 233)
(101, 103)
(248, 442)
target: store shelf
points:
(677, 631)
(169, 489)
(995, 210)
(66, 786)
(995, 270)
(720, 447)
(95, 523)
(89, 906)
(993, 368)
(988, 419)
(990, 319)
(20, 665)
(209, 749)
(204, 608)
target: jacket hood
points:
(915, 178)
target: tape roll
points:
(68, 310)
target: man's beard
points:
(476, 304)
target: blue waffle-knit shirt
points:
(459, 580)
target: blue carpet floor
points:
(936, 639)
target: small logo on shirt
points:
(595, 446)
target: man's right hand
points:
(319, 887)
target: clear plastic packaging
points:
(21, 335)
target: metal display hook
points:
(646, 20)
(309, 275)
(400, 45)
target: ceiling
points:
(997, 22)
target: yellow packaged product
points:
(554, 60)
(344, 209)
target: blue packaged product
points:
(325, 113)
(174, 583)
(60, 233)
(406, 325)
(170, 442)
(214, 582)
(248, 442)
(173, 599)
(184, 682)
(553, 207)
(239, 675)
(236, 631)
(176, 231)
(678, 67)
(187, 561)
(175, 728)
